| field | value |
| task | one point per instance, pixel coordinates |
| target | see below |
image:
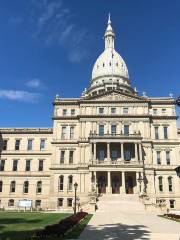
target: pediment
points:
(116, 96)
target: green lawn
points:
(20, 226)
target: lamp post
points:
(75, 188)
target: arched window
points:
(11, 202)
(26, 187)
(39, 187)
(13, 186)
(1, 186)
(160, 184)
(170, 184)
(70, 183)
(61, 183)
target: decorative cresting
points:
(109, 71)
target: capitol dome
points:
(110, 63)
(110, 70)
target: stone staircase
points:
(130, 203)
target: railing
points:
(115, 162)
(112, 135)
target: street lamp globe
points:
(75, 186)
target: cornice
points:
(78, 117)
(26, 130)
(164, 117)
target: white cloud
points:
(17, 95)
(34, 83)
(77, 55)
(55, 24)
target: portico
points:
(117, 182)
(113, 152)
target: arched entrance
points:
(129, 184)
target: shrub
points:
(62, 227)
(172, 216)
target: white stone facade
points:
(110, 140)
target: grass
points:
(21, 225)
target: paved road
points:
(125, 219)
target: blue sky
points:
(50, 46)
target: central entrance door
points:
(115, 184)
(101, 184)
(129, 185)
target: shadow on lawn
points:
(116, 232)
(17, 235)
(18, 220)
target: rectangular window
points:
(41, 165)
(39, 187)
(113, 110)
(172, 203)
(168, 161)
(1, 186)
(125, 110)
(155, 111)
(165, 132)
(113, 129)
(101, 155)
(126, 129)
(71, 156)
(156, 129)
(13, 187)
(5, 141)
(71, 132)
(158, 154)
(64, 112)
(127, 155)
(60, 202)
(101, 110)
(163, 111)
(170, 186)
(160, 184)
(17, 144)
(2, 165)
(62, 157)
(114, 155)
(29, 147)
(72, 112)
(63, 132)
(15, 163)
(69, 202)
(42, 144)
(28, 165)
(101, 130)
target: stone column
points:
(140, 152)
(108, 152)
(123, 190)
(109, 182)
(137, 183)
(122, 151)
(94, 152)
(95, 181)
(136, 152)
(91, 152)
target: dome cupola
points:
(110, 70)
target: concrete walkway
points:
(124, 218)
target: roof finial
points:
(109, 18)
